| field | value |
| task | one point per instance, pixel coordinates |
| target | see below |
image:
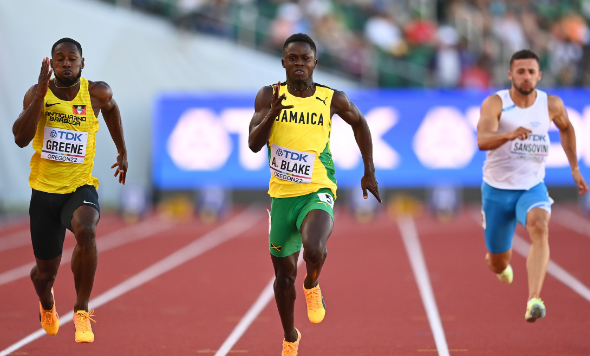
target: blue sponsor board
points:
(420, 137)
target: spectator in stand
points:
(382, 32)
(447, 61)
(289, 20)
(478, 76)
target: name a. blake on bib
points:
(306, 118)
(291, 165)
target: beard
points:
(70, 82)
(525, 91)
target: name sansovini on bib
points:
(535, 148)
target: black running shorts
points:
(51, 214)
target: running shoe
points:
(82, 320)
(506, 276)
(290, 348)
(535, 309)
(49, 318)
(316, 308)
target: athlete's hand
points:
(369, 182)
(122, 167)
(276, 105)
(520, 133)
(44, 76)
(580, 182)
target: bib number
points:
(64, 145)
(291, 165)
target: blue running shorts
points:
(502, 208)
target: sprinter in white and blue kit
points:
(514, 130)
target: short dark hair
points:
(65, 39)
(300, 37)
(524, 54)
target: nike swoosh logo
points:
(89, 202)
(48, 105)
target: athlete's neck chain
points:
(290, 87)
(55, 84)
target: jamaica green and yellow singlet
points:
(299, 146)
(65, 144)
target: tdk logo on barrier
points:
(538, 138)
(294, 156)
(69, 136)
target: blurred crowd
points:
(434, 43)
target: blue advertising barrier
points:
(420, 138)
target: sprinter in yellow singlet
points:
(60, 116)
(294, 120)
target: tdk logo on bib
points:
(538, 138)
(64, 145)
(296, 156)
(68, 135)
(291, 165)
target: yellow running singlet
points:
(65, 144)
(299, 146)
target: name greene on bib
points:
(64, 145)
(291, 165)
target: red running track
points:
(373, 302)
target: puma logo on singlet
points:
(323, 101)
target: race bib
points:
(64, 145)
(291, 165)
(535, 148)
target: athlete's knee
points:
(498, 262)
(315, 255)
(45, 275)
(538, 229)
(284, 280)
(85, 233)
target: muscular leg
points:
(285, 294)
(85, 256)
(315, 231)
(537, 225)
(498, 261)
(43, 275)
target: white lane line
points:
(251, 315)
(521, 246)
(114, 239)
(225, 232)
(15, 239)
(572, 221)
(412, 243)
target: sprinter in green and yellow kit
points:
(294, 120)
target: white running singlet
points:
(520, 164)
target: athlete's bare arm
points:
(25, 126)
(488, 137)
(343, 107)
(267, 107)
(103, 101)
(558, 115)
